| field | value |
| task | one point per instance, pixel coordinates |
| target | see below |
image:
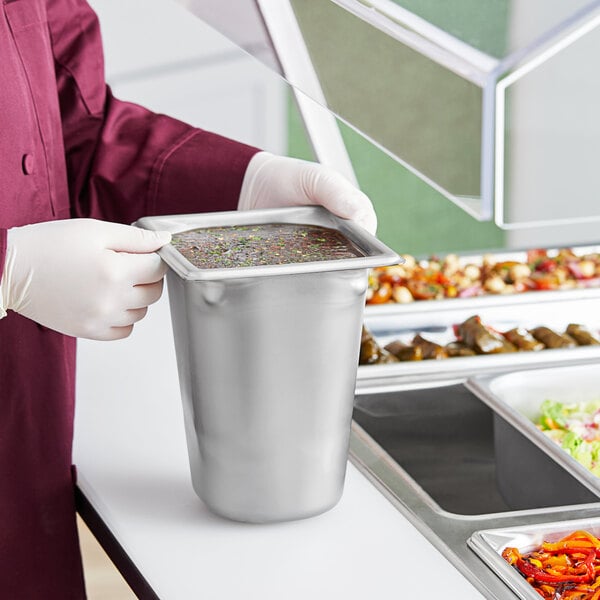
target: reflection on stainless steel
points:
(267, 364)
(431, 452)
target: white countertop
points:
(132, 466)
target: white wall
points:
(553, 144)
(161, 56)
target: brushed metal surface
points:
(451, 464)
(267, 375)
(267, 360)
(431, 452)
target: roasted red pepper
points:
(538, 574)
(546, 266)
(545, 281)
(534, 256)
(424, 290)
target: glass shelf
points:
(491, 102)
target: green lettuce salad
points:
(576, 428)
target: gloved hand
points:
(275, 181)
(83, 277)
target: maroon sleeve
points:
(124, 161)
(2, 251)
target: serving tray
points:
(588, 290)
(438, 327)
(489, 544)
(516, 398)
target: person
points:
(77, 168)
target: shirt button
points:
(28, 164)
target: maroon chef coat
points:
(68, 148)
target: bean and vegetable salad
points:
(236, 246)
(452, 276)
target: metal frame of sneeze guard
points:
(510, 157)
(497, 78)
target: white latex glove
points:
(83, 277)
(275, 181)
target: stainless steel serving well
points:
(515, 399)
(490, 543)
(267, 359)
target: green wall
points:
(413, 217)
(384, 89)
(480, 23)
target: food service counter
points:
(136, 496)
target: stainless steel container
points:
(426, 312)
(522, 449)
(267, 359)
(488, 544)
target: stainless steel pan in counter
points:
(431, 452)
(485, 280)
(516, 400)
(439, 327)
(490, 543)
(447, 460)
(266, 355)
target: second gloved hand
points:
(276, 181)
(83, 277)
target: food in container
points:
(523, 340)
(429, 350)
(371, 352)
(404, 351)
(454, 349)
(557, 560)
(568, 568)
(473, 337)
(553, 339)
(582, 335)
(575, 427)
(262, 244)
(472, 276)
(482, 338)
(266, 356)
(520, 404)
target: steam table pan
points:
(439, 328)
(488, 544)
(515, 399)
(267, 361)
(423, 311)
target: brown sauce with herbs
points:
(263, 244)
